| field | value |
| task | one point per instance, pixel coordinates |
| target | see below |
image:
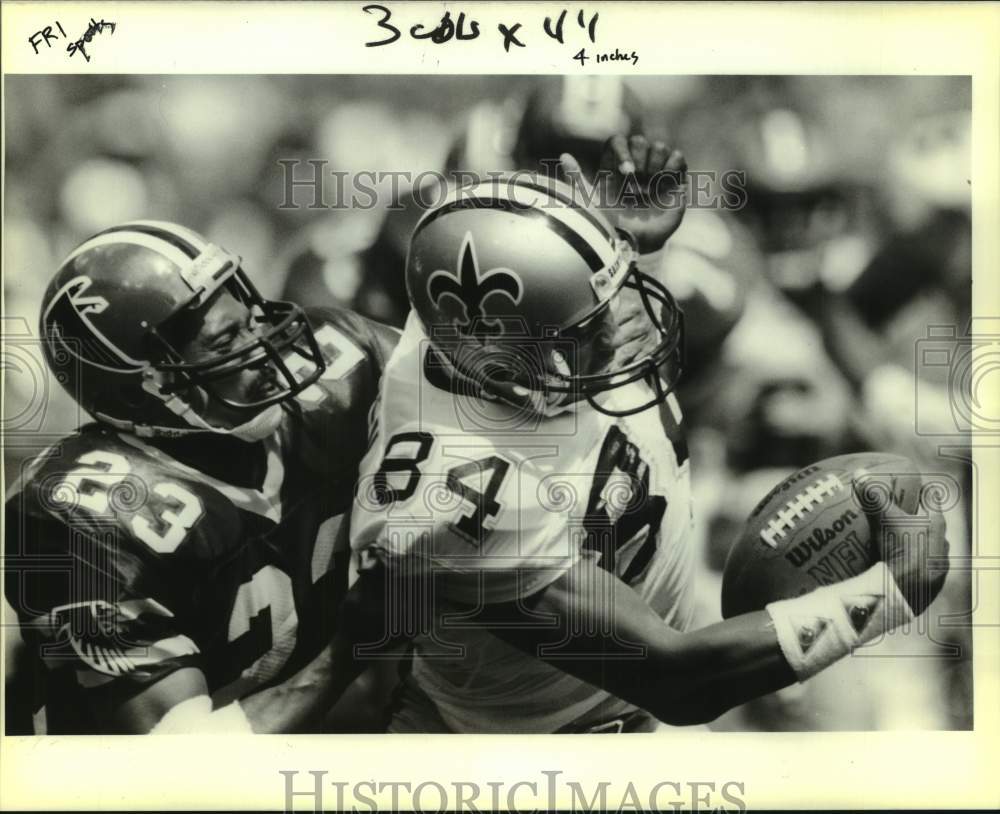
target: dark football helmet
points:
(516, 283)
(576, 115)
(106, 318)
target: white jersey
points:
(455, 486)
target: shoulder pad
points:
(96, 482)
(355, 350)
(373, 337)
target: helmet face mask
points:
(667, 320)
(119, 319)
(278, 328)
(518, 288)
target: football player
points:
(176, 565)
(523, 512)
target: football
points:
(811, 529)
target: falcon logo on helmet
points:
(68, 317)
(470, 290)
(85, 305)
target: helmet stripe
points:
(544, 199)
(191, 236)
(111, 237)
(572, 215)
(568, 200)
(582, 247)
(156, 230)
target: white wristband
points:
(822, 627)
(195, 716)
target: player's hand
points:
(635, 335)
(641, 187)
(918, 562)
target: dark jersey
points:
(129, 559)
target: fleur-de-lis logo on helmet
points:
(470, 289)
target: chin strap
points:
(549, 406)
(262, 425)
(259, 426)
(142, 430)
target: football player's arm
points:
(646, 181)
(301, 702)
(681, 678)
(642, 166)
(179, 704)
(163, 690)
(297, 704)
(365, 636)
(593, 626)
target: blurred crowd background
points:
(805, 307)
